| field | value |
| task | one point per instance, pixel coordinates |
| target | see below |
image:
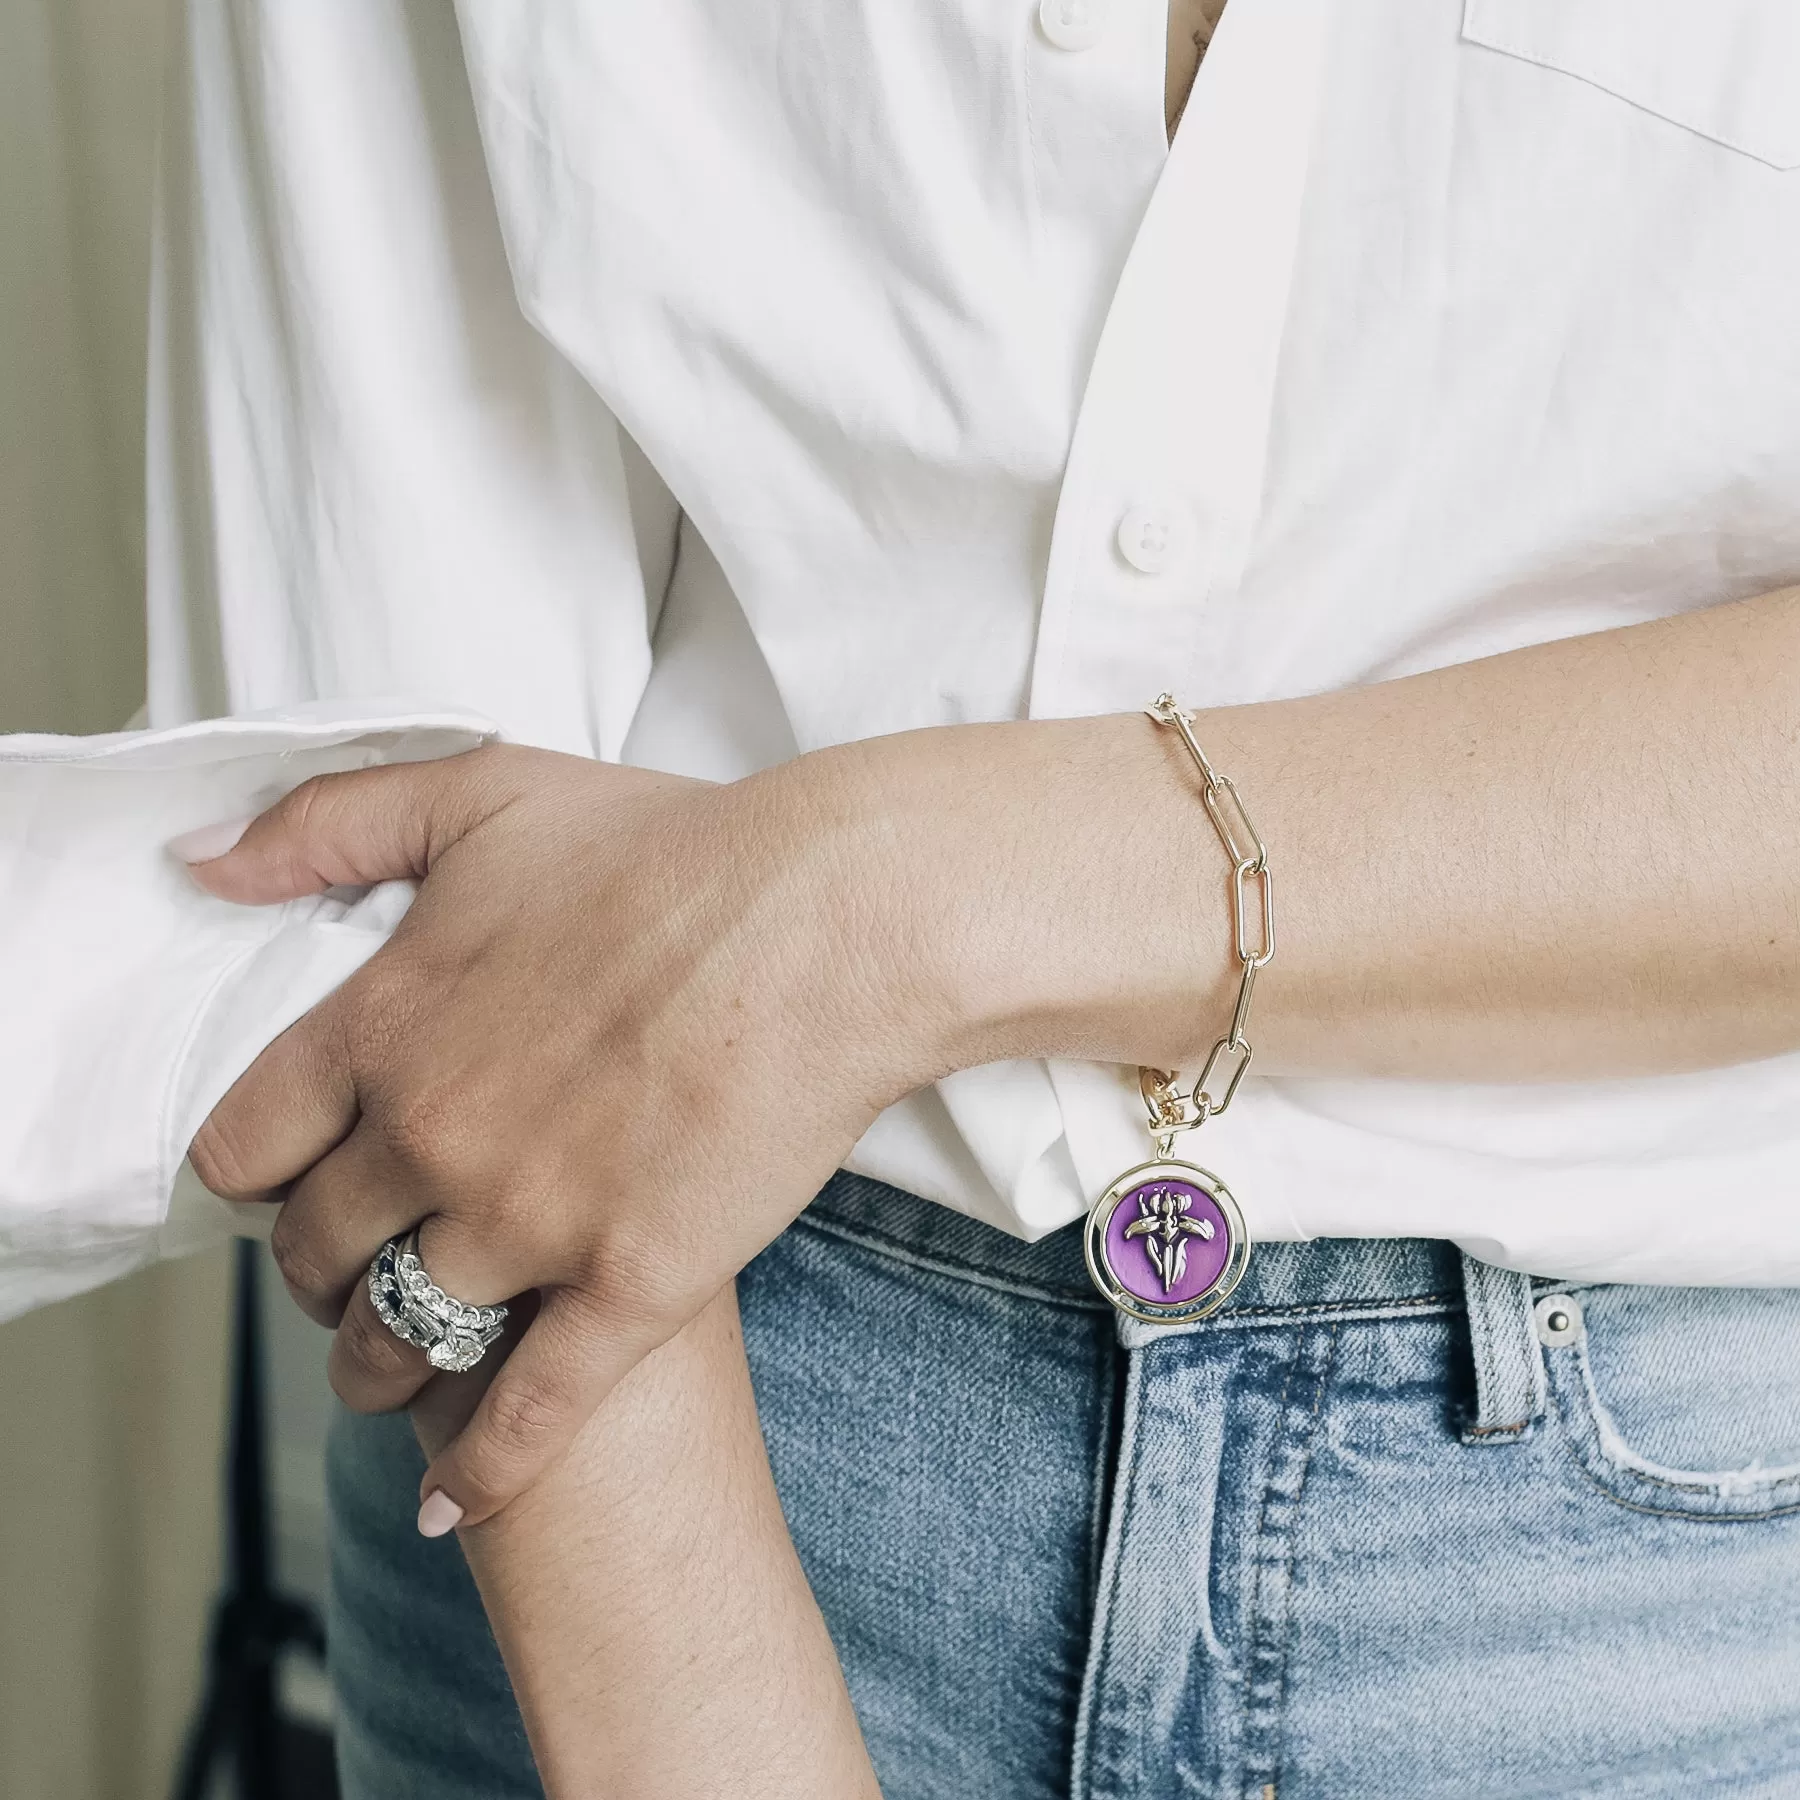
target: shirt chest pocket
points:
(1728, 70)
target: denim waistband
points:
(1327, 1274)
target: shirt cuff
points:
(131, 998)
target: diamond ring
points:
(454, 1335)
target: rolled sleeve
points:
(132, 999)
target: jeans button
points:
(1558, 1319)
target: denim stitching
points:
(1579, 1449)
(1716, 1482)
(1270, 1770)
(1692, 1515)
(1088, 1721)
(1259, 1616)
(1307, 1308)
(880, 1244)
(1110, 1407)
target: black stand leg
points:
(254, 1626)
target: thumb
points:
(351, 830)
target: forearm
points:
(656, 1623)
(1579, 859)
(617, 992)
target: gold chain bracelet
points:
(1166, 1242)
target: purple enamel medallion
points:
(1167, 1242)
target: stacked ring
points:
(454, 1335)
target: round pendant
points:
(1166, 1243)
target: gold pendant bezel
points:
(1185, 1312)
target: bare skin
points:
(617, 993)
(656, 1624)
(1191, 27)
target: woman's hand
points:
(630, 1026)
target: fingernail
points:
(439, 1514)
(209, 841)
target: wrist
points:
(877, 953)
(1032, 889)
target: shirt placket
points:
(1157, 515)
(1159, 501)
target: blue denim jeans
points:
(1392, 1526)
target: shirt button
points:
(1153, 539)
(1073, 24)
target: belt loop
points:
(1509, 1362)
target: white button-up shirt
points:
(704, 381)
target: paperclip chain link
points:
(1172, 1111)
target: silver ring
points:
(454, 1335)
